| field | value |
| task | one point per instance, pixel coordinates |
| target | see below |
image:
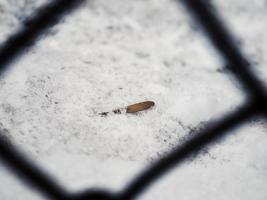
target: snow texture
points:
(110, 54)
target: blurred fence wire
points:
(206, 17)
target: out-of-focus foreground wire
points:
(226, 46)
(41, 21)
(222, 41)
(35, 26)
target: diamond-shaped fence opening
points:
(219, 36)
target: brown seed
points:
(139, 106)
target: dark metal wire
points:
(227, 47)
(26, 170)
(222, 40)
(29, 173)
(211, 134)
(34, 27)
(240, 68)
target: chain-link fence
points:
(49, 15)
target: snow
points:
(111, 54)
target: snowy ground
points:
(110, 54)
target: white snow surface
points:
(110, 54)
